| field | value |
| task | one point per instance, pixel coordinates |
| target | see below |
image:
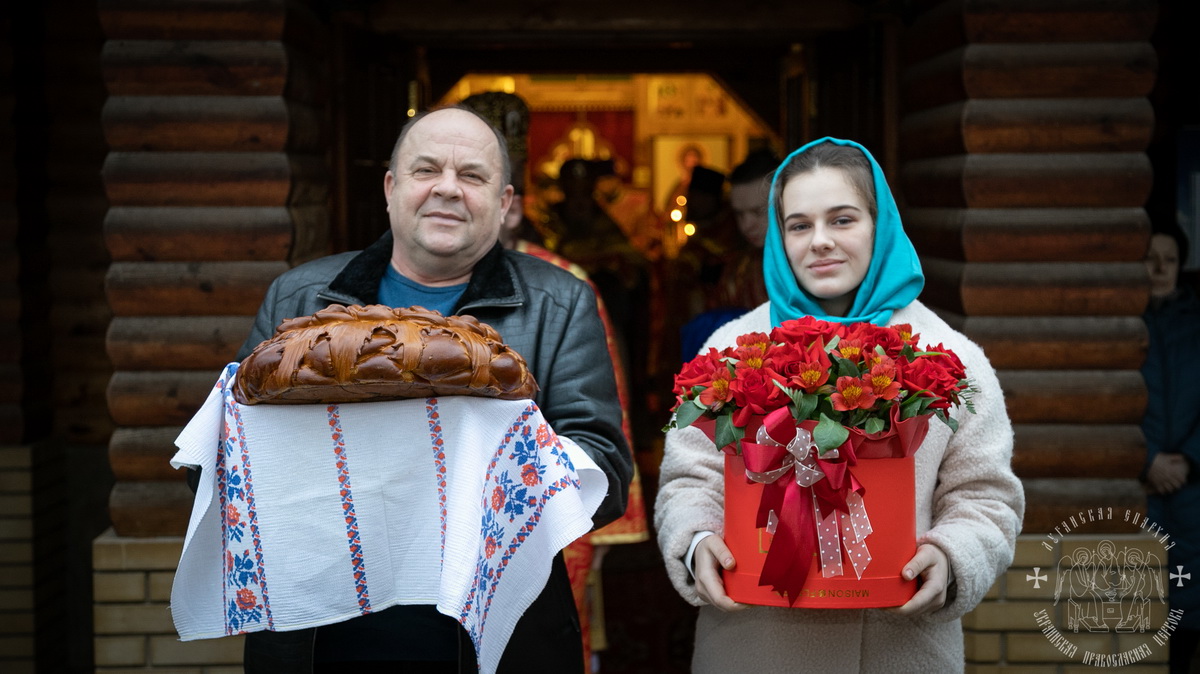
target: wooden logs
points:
(1083, 180)
(213, 179)
(158, 398)
(1045, 70)
(1059, 342)
(154, 233)
(1037, 289)
(1029, 234)
(1078, 450)
(216, 123)
(217, 181)
(1074, 396)
(953, 24)
(1030, 125)
(163, 342)
(144, 509)
(188, 289)
(143, 453)
(210, 20)
(1049, 502)
(201, 68)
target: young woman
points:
(836, 250)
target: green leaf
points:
(947, 419)
(686, 414)
(832, 344)
(805, 406)
(847, 368)
(829, 434)
(727, 433)
(873, 425)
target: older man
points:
(448, 189)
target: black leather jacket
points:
(545, 314)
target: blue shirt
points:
(396, 290)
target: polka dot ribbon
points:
(821, 500)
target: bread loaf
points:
(355, 354)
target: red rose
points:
(698, 371)
(246, 599)
(754, 392)
(497, 498)
(948, 360)
(872, 336)
(529, 475)
(924, 374)
(806, 330)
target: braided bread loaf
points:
(356, 354)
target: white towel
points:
(308, 515)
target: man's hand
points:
(710, 557)
(1167, 473)
(931, 565)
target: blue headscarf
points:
(893, 279)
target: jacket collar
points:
(494, 281)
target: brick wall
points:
(133, 629)
(134, 633)
(16, 561)
(1003, 633)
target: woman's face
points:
(828, 235)
(1162, 262)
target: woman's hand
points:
(710, 557)
(1167, 473)
(931, 565)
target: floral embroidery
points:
(243, 570)
(517, 468)
(357, 563)
(439, 463)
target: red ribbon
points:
(789, 560)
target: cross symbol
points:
(1037, 576)
(1179, 576)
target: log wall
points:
(1025, 174)
(217, 182)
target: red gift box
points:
(878, 467)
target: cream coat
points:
(969, 504)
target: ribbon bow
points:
(809, 503)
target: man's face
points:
(1162, 263)
(749, 202)
(446, 197)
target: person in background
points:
(739, 285)
(1171, 425)
(447, 191)
(836, 250)
(584, 557)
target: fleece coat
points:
(968, 503)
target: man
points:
(749, 184)
(739, 286)
(448, 189)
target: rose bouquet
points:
(858, 376)
(810, 418)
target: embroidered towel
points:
(308, 515)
